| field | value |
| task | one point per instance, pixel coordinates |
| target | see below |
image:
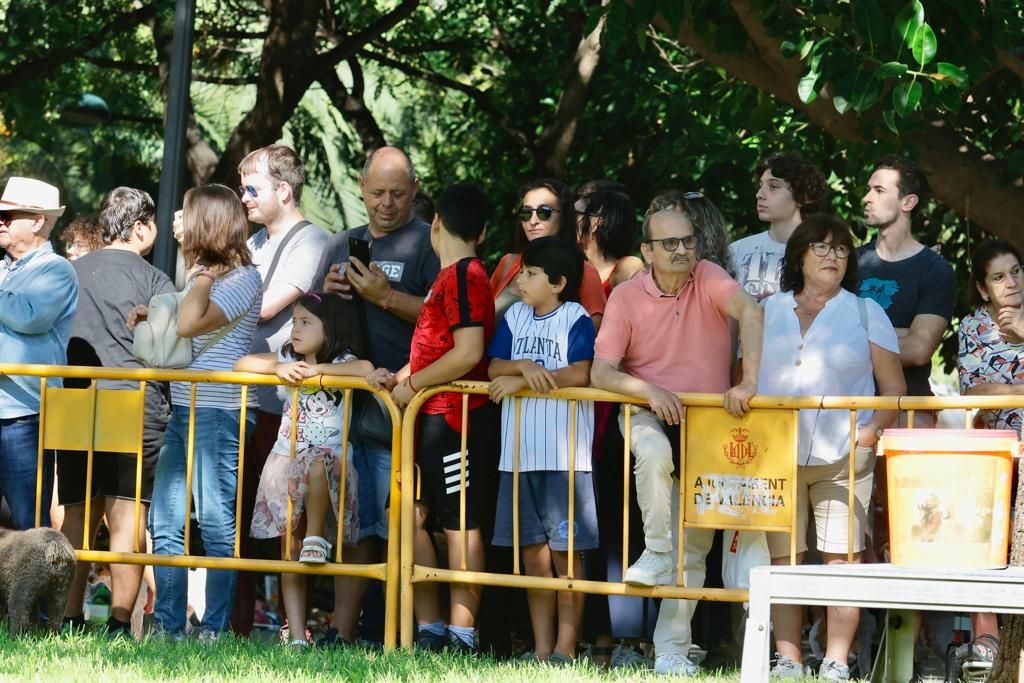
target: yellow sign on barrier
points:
(739, 471)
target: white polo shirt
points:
(832, 359)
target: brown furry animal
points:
(35, 565)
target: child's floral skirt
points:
(284, 477)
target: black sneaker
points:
(430, 642)
(74, 624)
(458, 646)
(331, 638)
(119, 629)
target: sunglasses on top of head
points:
(544, 212)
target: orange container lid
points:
(900, 441)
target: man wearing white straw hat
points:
(38, 298)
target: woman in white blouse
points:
(820, 338)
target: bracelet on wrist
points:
(387, 300)
(207, 273)
(409, 380)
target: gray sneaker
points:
(831, 670)
(626, 656)
(784, 667)
(673, 664)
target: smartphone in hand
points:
(360, 249)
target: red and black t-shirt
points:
(459, 297)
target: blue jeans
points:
(373, 465)
(19, 453)
(214, 485)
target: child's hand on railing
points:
(293, 373)
(537, 377)
(505, 385)
(381, 379)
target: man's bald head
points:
(389, 186)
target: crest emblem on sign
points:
(741, 451)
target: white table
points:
(874, 585)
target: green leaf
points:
(841, 104)
(906, 97)
(805, 89)
(869, 20)
(806, 49)
(951, 98)
(866, 90)
(890, 121)
(953, 73)
(907, 22)
(925, 45)
(788, 49)
(890, 69)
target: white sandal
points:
(315, 550)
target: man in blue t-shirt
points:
(913, 284)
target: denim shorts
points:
(544, 510)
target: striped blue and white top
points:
(556, 340)
(237, 293)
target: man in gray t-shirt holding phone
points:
(390, 292)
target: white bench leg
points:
(757, 639)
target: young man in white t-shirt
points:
(788, 188)
(544, 342)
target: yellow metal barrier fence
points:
(413, 574)
(111, 420)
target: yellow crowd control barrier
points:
(93, 419)
(761, 448)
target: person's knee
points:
(653, 452)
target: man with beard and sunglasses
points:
(666, 331)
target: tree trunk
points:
(353, 107)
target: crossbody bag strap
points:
(223, 332)
(280, 250)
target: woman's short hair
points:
(566, 211)
(85, 229)
(617, 234)
(216, 228)
(981, 258)
(816, 228)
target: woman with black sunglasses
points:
(545, 209)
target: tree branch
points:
(480, 98)
(348, 46)
(353, 109)
(554, 142)
(962, 176)
(40, 67)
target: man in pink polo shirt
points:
(667, 331)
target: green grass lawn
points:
(92, 658)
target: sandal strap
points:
(317, 541)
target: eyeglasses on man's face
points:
(671, 244)
(822, 248)
(544, 212)
(248, 190)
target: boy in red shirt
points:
(452, 332)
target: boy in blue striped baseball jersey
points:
(544, 342)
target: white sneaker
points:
(673, 664)
(831, 670)
(626, 656)
(784, 667)
(652, 569)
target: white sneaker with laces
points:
(651, 569)
(784, 667)
(673, 664)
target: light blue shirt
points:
(38, 298)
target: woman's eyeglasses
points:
(544, 212)
(822, 248)
(670, 244)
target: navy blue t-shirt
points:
(920, 284)
(411, 265)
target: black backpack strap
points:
(277, 254)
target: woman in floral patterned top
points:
(991, 362)
(991, 358)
